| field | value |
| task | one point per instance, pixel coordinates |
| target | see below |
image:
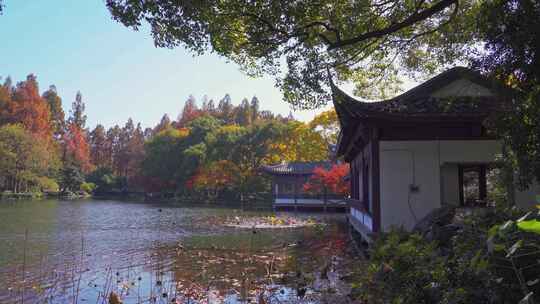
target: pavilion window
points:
(473, 184)
(286, 188)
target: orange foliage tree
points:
(30, 109)
(329, 181)
(77, 149)
(212, 178)
(189, 112)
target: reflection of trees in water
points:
(237, 263)
(250, 264)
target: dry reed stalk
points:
(24, 265)
(80, 270)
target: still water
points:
(54, 251)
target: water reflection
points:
(81, 251)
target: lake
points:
(55, 251)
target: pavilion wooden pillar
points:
(460, 183)
(482, 183)
(295, 194)
(325, 198)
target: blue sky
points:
(75, 45)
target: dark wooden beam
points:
(376, 187)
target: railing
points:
(310, 196)
(359, 213)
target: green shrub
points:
(47, 184)
(105, 180)
(403, 269)
(88, 187)
(493, 258)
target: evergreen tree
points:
(211, 107)
(6, 91)
(57, 113)
(77, 115)
(122, 159)
(243, 113)
(164, 124)
(113, 138)
(255, 105)
(98, 147)
(148, 132)
(225, 109)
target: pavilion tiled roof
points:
(295, 168)
(418, 101)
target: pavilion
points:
(426, 148)
(288, 179)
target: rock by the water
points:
(440, 217)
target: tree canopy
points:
(366, 42)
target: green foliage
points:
(510, 30)
(171, 157)
(246, 149)
(57, 113)
(71, 178)
(514, 250)
(104, 180)
(490, 259)
(164, 158)
(88, 187)
(47, 184)
(403, 269)
(530, 226)
(366, 42)
(24, 161)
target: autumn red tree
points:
(77, 150)
(189, 112)
(212, 178)
(329, 181)
(28, 108)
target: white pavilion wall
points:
(432, 167)
(528, 198)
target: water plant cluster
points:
(271, 221)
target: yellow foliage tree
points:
(300, 142)
(327, 124)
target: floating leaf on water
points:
(114, 299)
